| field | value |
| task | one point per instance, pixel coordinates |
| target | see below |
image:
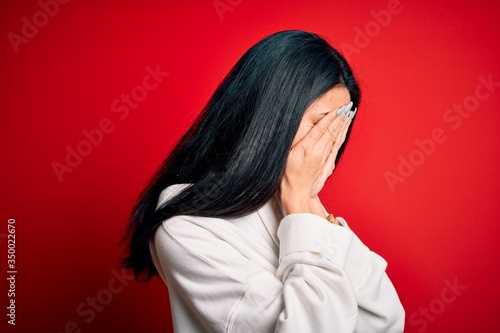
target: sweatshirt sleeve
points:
(326, 280)
(380, 309)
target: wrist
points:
(303, 205)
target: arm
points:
(322, 276)
(226, 292)
(318, 295)
(380, 309)
(326, 280)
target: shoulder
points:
(188, 234)
(184, 227)
(170, 192)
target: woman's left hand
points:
(330, 162)
(311, 161)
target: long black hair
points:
(233, 156)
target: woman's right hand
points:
(311, 161)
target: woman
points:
(232, 221)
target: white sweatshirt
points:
(267, 273)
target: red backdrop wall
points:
(95, 94)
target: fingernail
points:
(348, 108)
(349, 116)
(340, 111)
(353, 113)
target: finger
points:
(351, 114)
(335, 128)
(323, 125)
(348, 109)
(330, 161)
(327, 142)
(341, 110)
(327, 149)
(338, 143)
(347, 124)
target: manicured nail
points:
(340, 111)
(352, 114)
(348, 108)
(348, 116)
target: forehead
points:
(337, 96)
(332, 100)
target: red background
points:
(438, 226)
